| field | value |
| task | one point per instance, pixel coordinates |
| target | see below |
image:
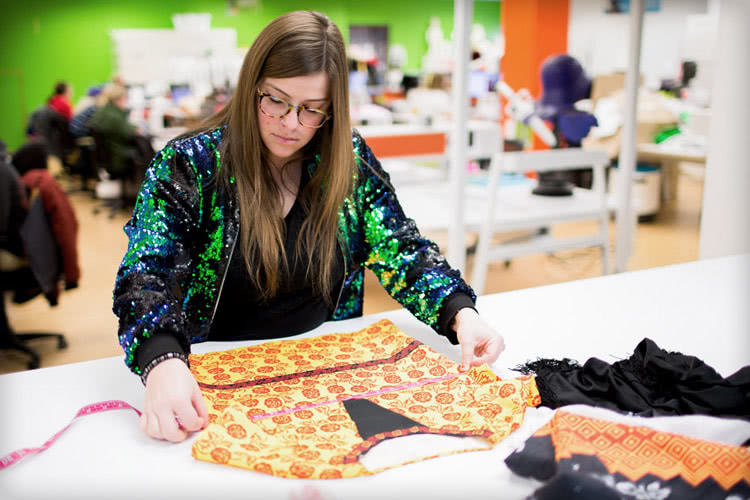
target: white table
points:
(515, 208)
(698, 308)
(670, 157)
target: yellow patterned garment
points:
(309, 408)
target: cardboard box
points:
(606, 85)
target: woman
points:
(260, 224)
(128, 150)
(60, 100)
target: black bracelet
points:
(158, 359)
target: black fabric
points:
(651, 382)
(575, 486)
(156, 346)
(586, 477)
(371, 418)
(296, 308)
(42, 250)
(536, 460)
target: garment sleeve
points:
(64, 226)
(148, 291)
(451, 305)
(408, 265)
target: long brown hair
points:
(294, 44)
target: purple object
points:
(95, 90)
(564, 82)
(575, 125)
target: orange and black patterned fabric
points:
(601, 459)
(310, 408)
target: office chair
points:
(10, 340)
(103, 166)
(54, 129)
(37, 272)
(83, 165)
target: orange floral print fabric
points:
(277, 408)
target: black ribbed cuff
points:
(158, 359)
(154, 347)
(451, 305)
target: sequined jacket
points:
(184, 230)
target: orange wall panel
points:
(407, 145)
(534, 30)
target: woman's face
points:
(284, 136)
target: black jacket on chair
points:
(29, 235)
(41, 250)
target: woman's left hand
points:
(479, 342)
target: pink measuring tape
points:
(99, 407)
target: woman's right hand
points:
(174, 405)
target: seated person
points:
(79, 125)
(60, 100)
(130, 152)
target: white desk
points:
(515, 208)
(698, 308)
(670, 158)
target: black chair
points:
(26, 278)
(103, 166)
(47, 124)
(10, 340)
(83, 165)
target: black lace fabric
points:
(651, 382)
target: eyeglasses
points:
(278, 108)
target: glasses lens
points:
(311, 118)
(275, 107)
(272, 106)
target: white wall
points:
(725, 218)
(600, 41)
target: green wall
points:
(42, 41)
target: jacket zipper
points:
(343, 280)
(343, 256)
(223, 279)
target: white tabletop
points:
(516, 206)
(698, 308)
(665, 151)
